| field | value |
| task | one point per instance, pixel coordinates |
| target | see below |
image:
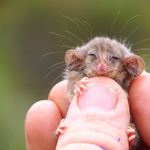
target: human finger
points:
(139, 99)
(58, 95)
(95, 120)
(41, 122)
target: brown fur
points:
(122, 65)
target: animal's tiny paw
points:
(80, 86)
(61, 128)
(131, 136)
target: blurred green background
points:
(25, 38)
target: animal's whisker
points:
(132, 32)
(89, 26)
(140, 41)
(127, 23)
(57, 78)
(53, 70)
(67, 46)
(64, 37)
(56, 64)
(77, 26)
(85, 27)
(52, 53)
(74, 36)
(141, 49)
(143, 56)
(112, 26)
(147, 59)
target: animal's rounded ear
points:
(73, 59)
(69, 55)
(134, 64)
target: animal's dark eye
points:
(92, 55)
(115, 57)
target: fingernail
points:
(98, 97)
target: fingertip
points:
(139, 92)
(41, 122)
(58, 95)
(139, 99)
(61, 86)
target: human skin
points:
(44, 116)
(100, 115)
(139, 101)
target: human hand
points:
(44, 116)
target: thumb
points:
(98, 119)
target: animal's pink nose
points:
(102, 67)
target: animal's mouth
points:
(103, 73)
